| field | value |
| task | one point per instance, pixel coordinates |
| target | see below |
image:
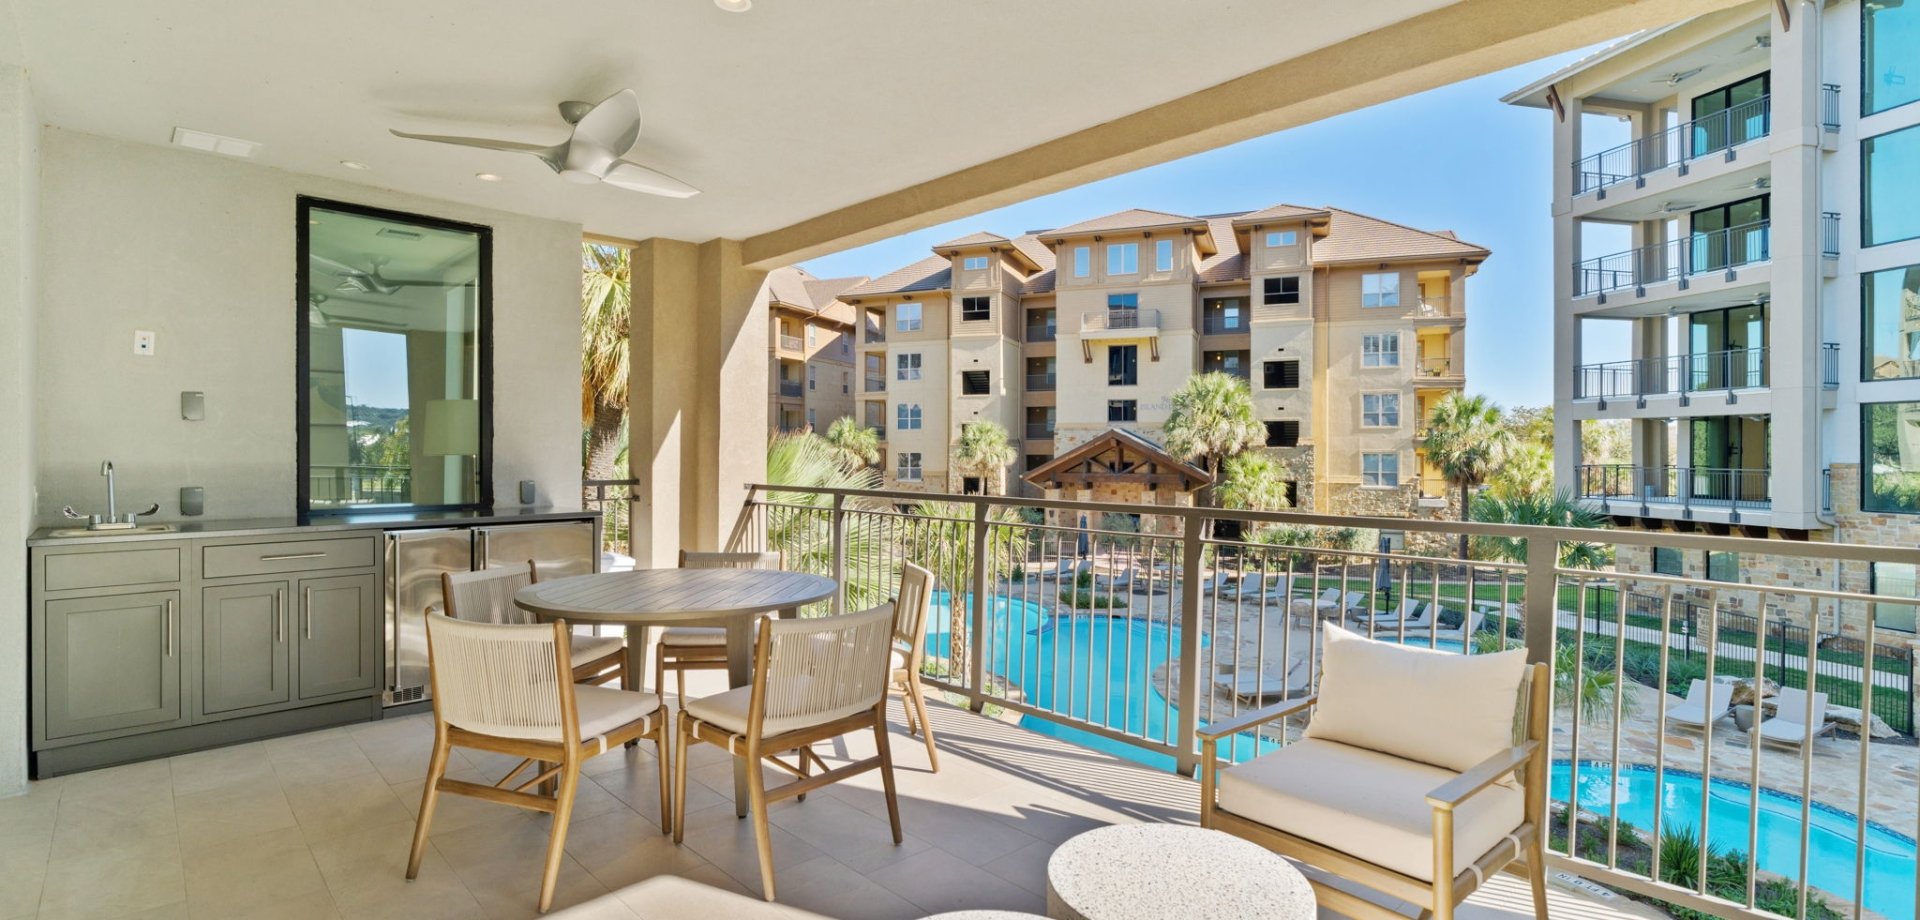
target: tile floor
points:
(318, 825)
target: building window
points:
(907, 366)
(970, 485)
(846, 381)
(813, 336)
(1163, 255)
(1380, 410)
(906, 317)
(976, 308)
(1123, 301)
(1281, 238)
(1890, 315)
(1283, 433)
(1668, 561)
(1890, 457)
(1890, 184)
(974, 263)
(1123, 258)
(1380, 470)
(1895, 579)
(1889, 46)
(1123, 365)
(1723, 567)
(1380, 289)
(1731, 115)
(906, 417)
(1381, 350)
(1036, 461)
(976, 383)
(813, 377)
(811, 419)
(1123, 410)
(1280, 290)
(1082, 262)
(908, 469)
(1281, 375)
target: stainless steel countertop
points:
(317, 524)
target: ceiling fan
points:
(1675, 78)
(603, 135)
(356, 281)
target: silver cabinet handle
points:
(166, 630)
(306, 610)
(282, 557)
(279, 616)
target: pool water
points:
(1831, 851)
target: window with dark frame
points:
(1723, 567)
(1281, 375)
(1284, 290)
(1123, 365)
(1283, 433)
(976, 383)
(973, 309)
(1123, 410)
(1668, 561)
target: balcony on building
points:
(1224, 316)
(1039, 424)
(1234, 363)
(873, 328)
(1716, 493)
(1704, 264)
(1440, 372)
(1040, 326)
(1041, 375)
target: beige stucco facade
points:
(810, 361)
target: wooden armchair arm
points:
(1483, 774)
(1214, 731)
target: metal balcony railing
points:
(1734, 369)
(1039, 383)
(1040, 333)
(1223, 325)
(790, 388)
(1133, 637)
(1830, 365)
(1434, 367)
(1120, 318)
(1437, 306)
(876, 384)
(1698, 253)
(879, 429)
(1830, 106)
(1673, 146)
(1039, 431)
(1830, 234)
(874, 333)
(791, 343)
(1624, 485)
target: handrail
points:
(1114, 318)
(1040, 383)
(1731, 369)
(1673, 146)
(1696, 253)
(1736, 487)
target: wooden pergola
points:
(1118, 456)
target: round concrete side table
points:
(1150, 871)
(984, 915)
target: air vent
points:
(397, 233)
(213, 143)
(408, 695)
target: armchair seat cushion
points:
(1367, 804)
(728, 710)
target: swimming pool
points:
(1830, 855)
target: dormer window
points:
(1282, 238)
(1082, 262)
(1163, 255)
(974, 263)
(1123, 258)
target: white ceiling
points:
(779, 114)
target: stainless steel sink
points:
(115, 532)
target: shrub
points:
(1083, 599)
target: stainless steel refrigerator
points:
(417, 558)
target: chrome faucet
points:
(112, 520)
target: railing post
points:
(837, 525)
(1187, 699)
(977, 634)
(1543, 598)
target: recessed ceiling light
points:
(734, 6)
(213, 143)
(354, 164)
(486, 177)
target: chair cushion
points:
(603, 709)
(728, 711)
(1365, 803)
(594, 648)
(897, 660)
(693, 635)
(1440, 708)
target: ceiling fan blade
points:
(632, 176)
(613, 125)
(334, 267)
(552, 155)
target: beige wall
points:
(19, 195)
(203, 255)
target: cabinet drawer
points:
(66, 571)
(290, 556)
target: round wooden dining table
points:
(731, 599)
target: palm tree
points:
(1466, 440)
(1550, 509)
(1253, 481)
(1527, 472)
(939, 536)
(606, 309)
(1212, 419)
(983, 452)
(799, 525)
(859, 446)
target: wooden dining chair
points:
(701, 648)
(910, 608)
(486, 596)
(813, 679)
(497, 687)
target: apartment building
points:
(1346, 326)
(1736, 216)
(809, 350)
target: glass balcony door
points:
(1730, 456)
(1729, 234)
(1727, 349)
(1731, 115)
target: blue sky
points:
(1453, 158)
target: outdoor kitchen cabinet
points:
(111, 664)
(339, 636)
(245, 637)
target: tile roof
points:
(1279, 212)
(933, 273)
(1358, 238)
(1228, 263)
(796, 289)
(982, 238)
(1131, 219)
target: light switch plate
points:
(193, 405)
(193, 501)
(143, 343)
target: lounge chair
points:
(1333, 601)
(1257, 685)
(1422, 620)
(1789, 725)
(1435, 623)
(1693, 712)
(1408, 610)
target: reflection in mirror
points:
(394, 403)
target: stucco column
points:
(698, 413)
(1566, 325)
(19, 196)
(1793, 316)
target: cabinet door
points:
(244, 647)
(111, 663)
(338, 638)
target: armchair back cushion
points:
(1451, 711)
